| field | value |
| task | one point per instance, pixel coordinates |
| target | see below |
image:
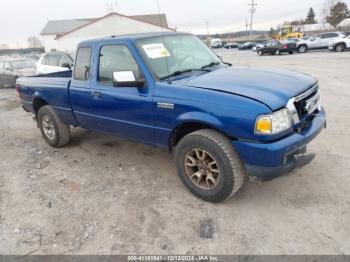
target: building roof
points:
(60, 27)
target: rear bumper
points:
(265, 161)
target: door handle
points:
(96, 94)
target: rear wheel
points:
(340, 48)
(277, 52)
(54, 131)
(209, 166)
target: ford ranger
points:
(222, 122)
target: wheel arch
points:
(340, 43)
(39, 102)
(191, 122)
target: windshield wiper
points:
(210, 65)
(180, 72)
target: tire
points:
(229, 168)
(260, 53)
(53, 130)
(340, 48)
(277, 52)
(302, 49)
(291, 52)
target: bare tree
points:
(325, 12)
(34, 42)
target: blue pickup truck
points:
(222, 122)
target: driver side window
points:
(115, 58)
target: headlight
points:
(274, 123)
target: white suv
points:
(54, 62)
(320, 41)
(340, 44)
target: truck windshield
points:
(180, 53)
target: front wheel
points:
(277, 52)
(260, 53)
(54, 131)
(302, 49)
(340, 48)
(209, 166)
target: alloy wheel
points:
(202, 169)
(48, 127)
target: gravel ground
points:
(104, 195)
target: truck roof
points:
(133, 37)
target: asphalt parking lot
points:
(104, 195)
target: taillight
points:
(285, 46)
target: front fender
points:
(199, 117)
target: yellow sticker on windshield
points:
(157, 50)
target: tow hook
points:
(303, 159)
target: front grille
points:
(307, 102)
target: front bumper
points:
(265, 161)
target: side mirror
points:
(66, 65)
(127, 79)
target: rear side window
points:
(52, 60)
(65, 60)
(114, 58)
(82, 63)
(330, 35)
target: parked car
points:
(54, 62)
(216, 43)
(231, 45)
(320, 41)
(247, 45)
(35, 57)
(306, 37)
(221, 122)
(258, 46)
(11, 69)
(275, 47)
(340, 44)
(291, 40)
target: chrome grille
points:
(304, 104)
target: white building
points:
(64, 35)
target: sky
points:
(20, 19)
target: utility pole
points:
(208, 33)
(252, 10)
(246, 26)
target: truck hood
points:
(272, 87)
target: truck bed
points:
(53, 88)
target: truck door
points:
(124, 111)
